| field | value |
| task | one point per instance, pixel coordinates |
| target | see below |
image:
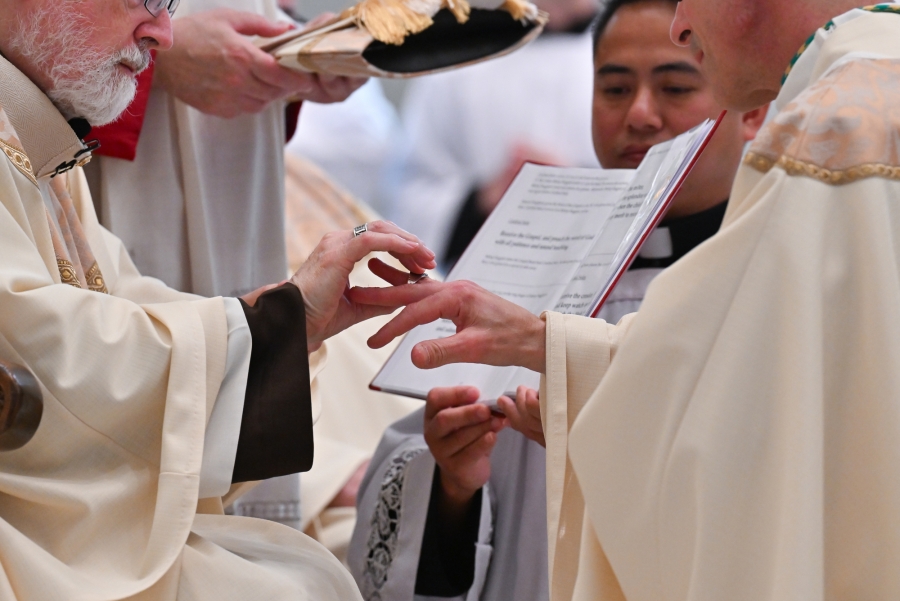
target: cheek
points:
(681, 118)
(606, 125)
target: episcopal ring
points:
(415, 278)
(359, 230)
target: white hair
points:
(84, 81)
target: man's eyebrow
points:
(613, 69)
(679, 67)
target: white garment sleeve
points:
(224, 427)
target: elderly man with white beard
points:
(155, 401)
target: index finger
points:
(435, 305)
(441, 398)
(266, 69)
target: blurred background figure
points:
(351, 141)
(469, 131)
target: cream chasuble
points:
(744, 442)
(102, 503)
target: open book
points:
(559, 240)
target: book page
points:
(646, 197)
(527, 252)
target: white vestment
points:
(744, 442)
(461, 127)
(214, 227)
(103, 503)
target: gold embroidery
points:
(828, 176)
(95, 280)
(842, 129)
(67, 273)
(19, 159)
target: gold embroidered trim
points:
(95, 279)
(835, 178)
(67, 273)
(19, 159)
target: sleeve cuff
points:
(224, 426)
(276, 435)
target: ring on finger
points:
(359, 230)
(415, 278)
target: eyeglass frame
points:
(169, 5)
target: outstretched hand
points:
(489, 329)
(324, 278)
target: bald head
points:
(744, 46)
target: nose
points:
(680, 32)
(155, 31)
(644, 114)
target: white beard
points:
(85, 81)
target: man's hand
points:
(461, 434)
(489, 329)
(524, 414)
(217, 70)
(324, 278)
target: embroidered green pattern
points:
(876, 8)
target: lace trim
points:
(268, 510)
(835, 178)
(385, 527)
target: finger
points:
(428, 303)
(265, 68)
(389, 274)
(414, 263)
(517, 420)
(423, 258)
(512, 413)
(387, 227)
(413, 256)
(465, 347)
(394, 296)
(365, 312)
(246, 23)
(456, 441)
(445, 397)
(472, 452)
(532, 404)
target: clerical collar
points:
(675, 238)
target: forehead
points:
(638, 37)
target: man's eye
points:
(615, 91)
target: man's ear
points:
(752, 121)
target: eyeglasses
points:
(155, 7)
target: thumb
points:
(246, 23)
(459, 348)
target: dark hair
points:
(610, 8)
